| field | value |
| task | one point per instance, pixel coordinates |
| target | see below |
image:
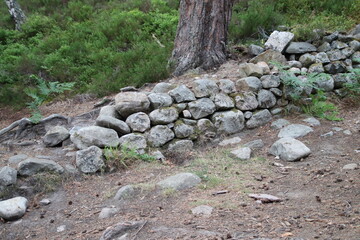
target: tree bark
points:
(201, 35)
(16, 13)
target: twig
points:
(137, 232)
(158, 41)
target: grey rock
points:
(13, 208)
(127, 103)
(243, 153)
(347, 132)
(180, 181)
(205, 125)
(259, 119)
(277, 92)
(328, 134)
(281, 103)
(248, 114)
(230, 141)
(266, 99)
(307, 59)
(332, 37)
(341, 79)
(180, 107)
(120, 230)
(109, 111)
(204, 88)
(181, 146)
(159, 135)
(162, 88)
(355, 58)
(322, 57)
(300, 47)
(95, 136)
(8, 176)
(316, 68)
(269, 56)
(278, 41)
(55, 136)
(337, 129)
(134, 141)
(90, 160)
(227, 86)
(350, 166)
(296, 64)
(113, 123)
(158, 100)
(125, 192)
(70, 168)
(202, 210)
(347, 52)
(187, 114)
(277, 111)
(251, 69)
(324, 47)
(45, 202)
(325, 82)
(32, 166)
(17, 158)
(270, 81)
(289, 149)
(228, 122)
(138, 122)
(294, 131)
(255, 50)
(158, 155)
(246, 101)
(222, 101)
(183, 130)
(265, 67)
(280, 123)
(201, 108)
(182, 94)
(108, 212)
(335, 67)
(338, 45)
(313, 122)
(61, 228)
(248, 84)
(355, 45)
(256, 144)
(336, 55)
(164, 115)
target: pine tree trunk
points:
(16, 13)
(201, 35)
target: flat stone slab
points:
(279, 40)
(32, 166)
(295, 131)
(243, 153)
(289, 149)
(13, 208)
(180, 181)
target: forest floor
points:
(321, 200)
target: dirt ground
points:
(320, 199)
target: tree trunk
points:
(16, 13)
(201, 35)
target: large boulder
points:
(289, 149)
(113, 123)
(90, 160)
(160, 135)
(204, 88)
(227, 86)
(246, 101)
(248, 84)
(164, 115)
(259, 119)
(32, 166)
(133, 141)
(300, 47)
(8, 176)
(180, 181)
(13, 208)
(138, 122)
(183, 130)
(55, 136)
(158, 100)
(228, 122)
(278, 41)
(127, 103)
(182, 94)
(201, 108)
(109, 111)
(222, 101)
(95, 136)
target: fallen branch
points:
(137, 232)
(158, 41)
(13, 125)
